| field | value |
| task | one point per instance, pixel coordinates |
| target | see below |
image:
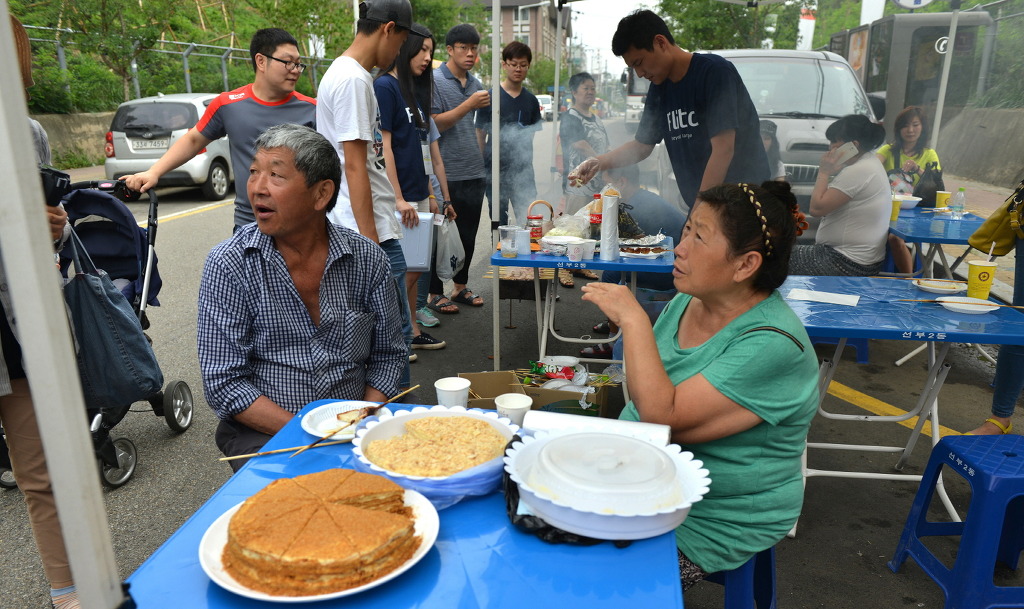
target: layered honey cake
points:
(319, 533)
(437, 446)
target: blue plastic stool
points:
(993, 531)
(860, 345)
(750, 585)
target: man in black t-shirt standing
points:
(697, 105)
(520, 119)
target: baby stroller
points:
(116, 244)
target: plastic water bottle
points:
(957, 204)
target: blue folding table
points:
(919, 226)
(879, 314)
(546, 316)
(479, 561)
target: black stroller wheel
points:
(177, 406)
(127, 459)
(7, 479)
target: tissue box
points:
(489, 385)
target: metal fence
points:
(192, 56)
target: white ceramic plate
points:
(322, 419)
(651, 256)
(966, 304)
(940, 287)
(211, 547)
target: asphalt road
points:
(848, 530)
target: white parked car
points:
(142, 131)
(545, 106)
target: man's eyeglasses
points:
(465, 48)
(289, 65)
(517, 66)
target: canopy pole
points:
(556, 95)
(48, 353)
(946, 62)
(496, 202)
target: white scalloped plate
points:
(600, 525)
(322, 419)
(940, 287)
(211, 549)
(395, 421)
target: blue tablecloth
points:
(478, 561)
(918, 225)
(877, 315)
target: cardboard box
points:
(489, 385)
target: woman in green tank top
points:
(729, 367)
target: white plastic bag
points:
(451, 256)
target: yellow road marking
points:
(876, 406)
(190, 212)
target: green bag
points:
(1003, 227)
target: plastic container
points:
(958, 203)
(599, 514)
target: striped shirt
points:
(257, 338)
(459, 147)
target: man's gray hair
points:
(315, 157)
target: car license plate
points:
(149, 144)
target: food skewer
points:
(992, 304)
(363, 413)
(918, 279)
(282, 450)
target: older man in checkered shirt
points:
(293, 308)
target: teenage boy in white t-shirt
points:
(348, 116)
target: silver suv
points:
(142, 131)
(802, 92)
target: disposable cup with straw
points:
(980, 274)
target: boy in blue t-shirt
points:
(520, 119)
(697, 105)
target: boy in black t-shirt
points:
(697, 105)
(520, 119)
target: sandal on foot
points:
(441, 304)
(1005, 429)
(603, 328)
(467, 297)
(585, 273)
(565, 278)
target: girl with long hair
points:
(403, 95)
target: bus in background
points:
(636, 95)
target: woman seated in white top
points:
(853, 200)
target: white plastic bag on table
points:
(451, 256)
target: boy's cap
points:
(383, 11)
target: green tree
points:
(712, 24)
(542, 75)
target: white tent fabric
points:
(49, 360)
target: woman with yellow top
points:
(909, 155)
(908, 152)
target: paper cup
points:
(514, 406)
(895, 209)
(942, 198)
(589, 245)
(574, 250)
(452, 391)
(979, 278)
(523, 242)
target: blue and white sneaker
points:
(425, 318)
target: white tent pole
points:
(48, 354)
(944, 80)
(556, 95)
(496, 202)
